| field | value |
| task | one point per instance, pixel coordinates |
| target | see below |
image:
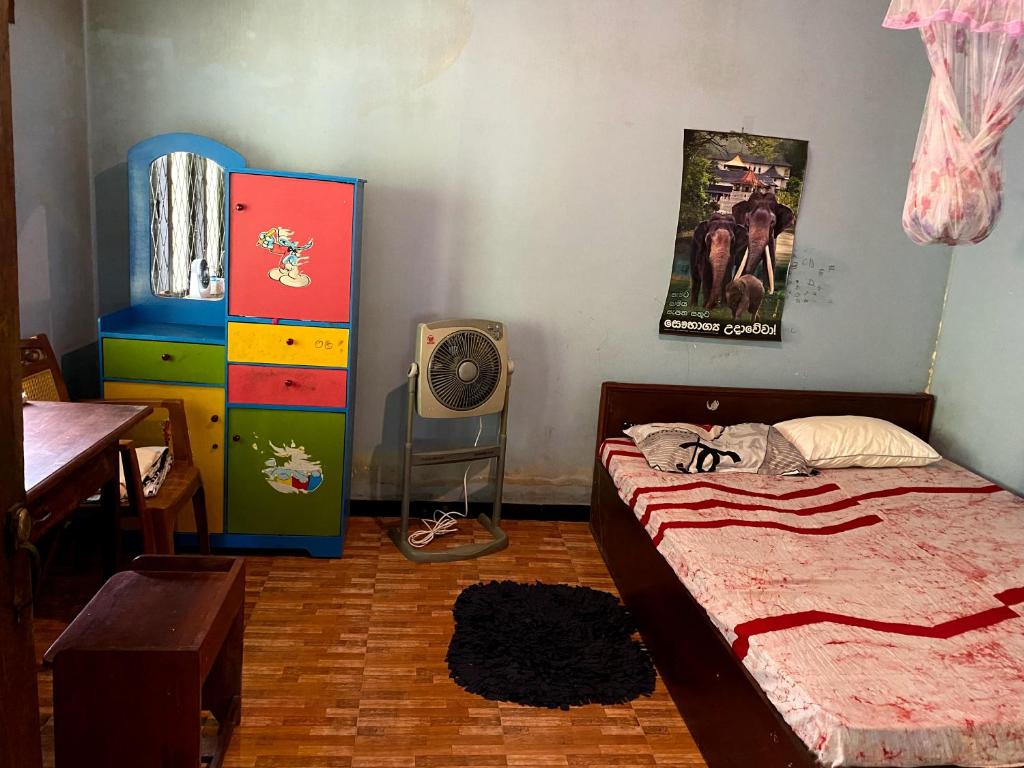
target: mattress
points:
(880, 610)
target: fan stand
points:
(492, 524)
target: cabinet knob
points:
(289, 341)
(289, 383)
(165, 357)
(214, 447)
(236, 438)
(239, 206)
(215, 417)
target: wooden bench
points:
(133, 672)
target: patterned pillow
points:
(693, 448)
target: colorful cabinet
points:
(251, 320)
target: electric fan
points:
(465, 366)
(462, 369)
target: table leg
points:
(110, 511)
(223, 685)
(222, 691)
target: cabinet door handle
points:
(289, 383)
(289, 341)
(214, 447)
(215, 418)
(165, 357)
(236, 438)
(239, 206)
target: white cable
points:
(443, 523)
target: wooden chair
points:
(159, 514)
(41, 377)
(42, 380)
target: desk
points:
(70, 451)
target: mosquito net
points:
(977, 88)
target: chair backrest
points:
(167, 425)
(41, 377)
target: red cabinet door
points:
(291, 248)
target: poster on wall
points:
(738, 208)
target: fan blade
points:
(443, 370)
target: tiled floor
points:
(345, 666)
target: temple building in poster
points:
(736, 176)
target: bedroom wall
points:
(51, 161)
(978, 379)
(523, 162)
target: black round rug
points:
(547, 645)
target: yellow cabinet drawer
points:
(204, 411)
(287, 344)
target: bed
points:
(764, 656)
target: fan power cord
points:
(443, 523)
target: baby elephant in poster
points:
(744, 294)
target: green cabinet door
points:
(285, 472)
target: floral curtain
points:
(977, 88)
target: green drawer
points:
(285, 472)
(163, 361)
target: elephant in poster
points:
(717, 244)
(744, 294)
(764, 217)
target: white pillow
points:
(833, 442)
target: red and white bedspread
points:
(882, 611)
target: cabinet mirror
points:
(186, 193)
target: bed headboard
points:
(626, 404)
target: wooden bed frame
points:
(726, 711)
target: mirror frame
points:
(140, 157)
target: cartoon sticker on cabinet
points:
(288, 271)
(292, 470)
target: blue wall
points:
(523, 163)
(978, 380)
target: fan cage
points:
(453, 351)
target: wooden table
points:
(70, 451)
(158, 644)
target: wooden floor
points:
(344, 666)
